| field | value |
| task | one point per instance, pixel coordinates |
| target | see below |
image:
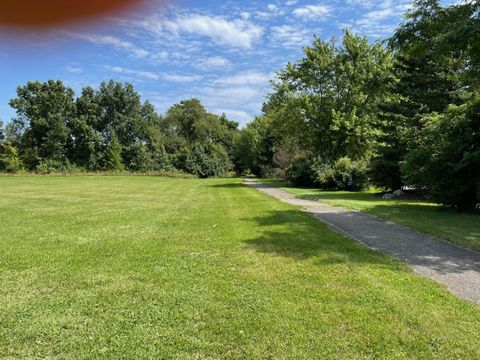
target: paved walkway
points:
(457, 268)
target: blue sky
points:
(222, 52)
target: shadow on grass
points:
(228, 185)
(444, 222)
(296, 235)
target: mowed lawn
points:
(460, 228)
(160, 268)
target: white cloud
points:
(272, 7)
(290, 36)
(113, 41)
(363, 3)
(239, 96)
(179, 78)
(237, 115)
(212, 63)
(143, 74)
(312, 12)
(73, 69)
(237, 33)
(245, 78)
(378, 22)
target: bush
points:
(301, 171)
(343, 174)
(447, 164)
(207, 160)
(114, 160)
(54, 167)
(9, 160)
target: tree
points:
(422, 83)
(9, 160)
(329, 99)
(44, 113)
(2, 133)
(254, 146)
(190, 121)
(198, 139)
(206, 160)
(447, 162)
(86, 140)
(113, 159)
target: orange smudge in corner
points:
(49, 13)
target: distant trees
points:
(9, 159)
(109, 128)
(254, 147)
(201, 139)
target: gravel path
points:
(455, 267)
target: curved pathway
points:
(455, 267)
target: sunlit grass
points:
(159, 268)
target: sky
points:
(222, 52)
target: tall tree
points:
(329, 99)
(113, 160)
(422, 83)
(44, 113)
(86, 141)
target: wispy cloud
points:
(312, 12)
(113, 41)
(213, 63)
(143, 74)
(289, 36)
(236, 33)
(73, 69)
(245, 78)
(180, 78)
(379, 19)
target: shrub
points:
(301, 171)
(343, 174)
(9, 160)
(206, 160)
(447, 164)
(51, 166)
(114, 160)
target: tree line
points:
(110, 129)
(401, 112)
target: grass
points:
(427, 217)
(157, 268)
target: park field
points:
(162, 268)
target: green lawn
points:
(461, 229)
(158, 268)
